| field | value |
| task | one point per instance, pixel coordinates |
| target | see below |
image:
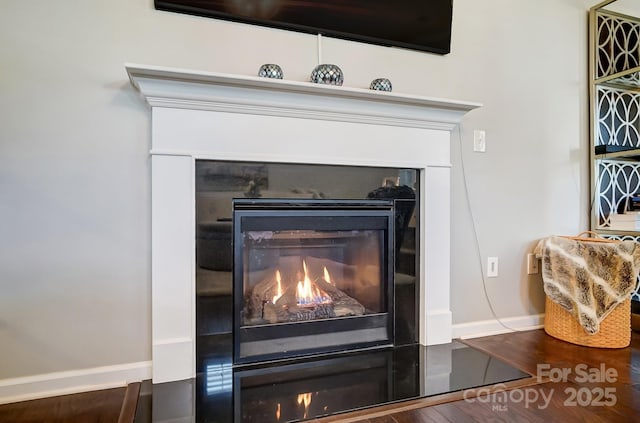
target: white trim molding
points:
(206, 115)
(72, 382)
(494, 327)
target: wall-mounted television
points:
(423, 25)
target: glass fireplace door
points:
(311, 277)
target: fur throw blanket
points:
(588, 279)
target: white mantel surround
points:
(206, 115)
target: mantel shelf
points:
(189, 89)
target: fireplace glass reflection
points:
(312, 276)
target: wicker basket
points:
(615, 329)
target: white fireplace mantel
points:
(206, 115)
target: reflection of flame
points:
(326, 275)
(278, 412)
(279, 294)
(306, 400)
(308, 293)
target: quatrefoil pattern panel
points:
(618, 47)
(618, 113)
(617, 181)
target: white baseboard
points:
(174, 359)
(72, 382)
(494, 327)
(437, 329)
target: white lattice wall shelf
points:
(615, 116)
(615, 132)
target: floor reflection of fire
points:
(289, 295)
(305, 400)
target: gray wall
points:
(74, 160)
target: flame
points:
(327, 277)
(308, 293)
(278, 412)
(306, 400)
(305, 295)
(279, 288)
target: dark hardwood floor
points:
(105, 406)
(547, 398)
(601, 385)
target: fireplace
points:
(311, 276)
(297, 260)
(198, 115)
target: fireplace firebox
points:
(311, 277)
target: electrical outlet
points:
(532, 264)
(479, 141)
(492, 267)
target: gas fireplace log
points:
(276, 313)
(261, 308)
(343, 305)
